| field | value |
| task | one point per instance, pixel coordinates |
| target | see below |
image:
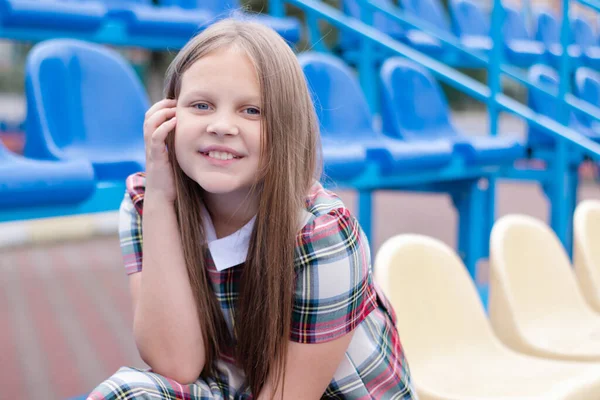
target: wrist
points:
(158, 199)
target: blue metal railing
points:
(495, 60)
(566, 138)
(452, 77)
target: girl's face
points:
(218, 133)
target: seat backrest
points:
(543, 103)
(437, 305)
(339, 101)
(428, 10)
(82, 98)
(381, 21)
(547, 27)
(413, 106)
(582, 32)
(468, 18)
(530, 270)
(586, 254)
(587, 87)
(514, 26)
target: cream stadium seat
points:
(535, 304)
(451, 349)
(586, 253)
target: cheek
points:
(255, 137)
(184, 131)
(179, 142)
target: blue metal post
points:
(559, 192)
(494, 78)
(367, 75)
(314, 34)
(495, 84)
(276, 8)
(366, 62)
(469, 205)
(365, 213)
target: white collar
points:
(231, 250)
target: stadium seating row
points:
(75, 115)
(541, 338)
(125, 22)
(470, 24)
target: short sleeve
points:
(130, 224)
(334, 291)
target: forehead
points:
(228, 66)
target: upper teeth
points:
(221, 155)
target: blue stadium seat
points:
(470, 24)
(347, 125)
(587, 87)
(433, 12)
(52, 14)
(520, 48)
(547, 105)
(428, 10)
(380, 21)
(417, 39)
(27, 183)
(142, 18)
(84, 101)
(548, 32)
(289, 28)
(414, 108)
(584, 36)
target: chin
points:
(219, 186)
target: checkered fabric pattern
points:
(334, 295)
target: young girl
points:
(255, 282)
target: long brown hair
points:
(289, 165)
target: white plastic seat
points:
(535, 304)
(449, 344)
(586, 250)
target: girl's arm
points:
(166, 326)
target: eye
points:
(252, 111)
(201, 106)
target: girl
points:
(255, 282)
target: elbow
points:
(187, 376)
(170, 359)
(183, 374)
(183, 371)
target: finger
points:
(157, 142)
(157, 119)
(160, 104)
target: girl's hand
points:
(159, 121)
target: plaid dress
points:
(334, 295)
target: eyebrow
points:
(251, 99)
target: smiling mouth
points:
(220, 155)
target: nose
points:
(223, 126)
